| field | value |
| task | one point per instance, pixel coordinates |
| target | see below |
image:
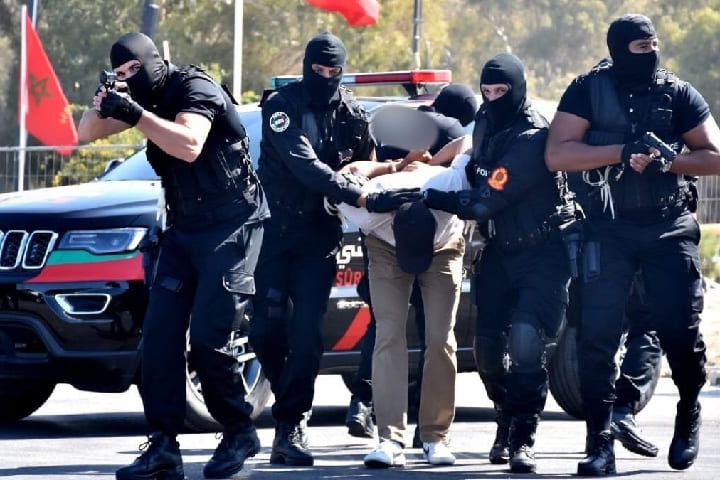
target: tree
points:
(557, 39)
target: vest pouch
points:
(226, 169)
(239, 281)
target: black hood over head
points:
(328, 50)
(508, 69)
(457, 100)
(632, 70)
(149, 80)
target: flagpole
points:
(23, 101)
(237, 50)
(417, 33)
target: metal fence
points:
(43, 167)
(46, 168)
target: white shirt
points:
(446, 179)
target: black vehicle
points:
(72, 292)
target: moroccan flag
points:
(48, 116)
(358, 13)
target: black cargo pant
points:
(511, 288)
(643, 354)
(293, 278)
(642, 358)
(667, 253)
(204, 279)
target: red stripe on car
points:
(124, 269)
(355, 331)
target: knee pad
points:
(490, 355)
(527, 348)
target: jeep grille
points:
(29, 249)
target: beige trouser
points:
(390, 289)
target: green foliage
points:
(90, 161)
(710, 251)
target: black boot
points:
(686, 439)
(626, 430)
(288, 447)
(359, 419)
(522, 441)
(231, 453)
(500, 453)
(160, 459)
(600, 458)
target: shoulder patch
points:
(498, 178)
(279, 122)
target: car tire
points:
(20, 398)
(564, 376)
(197, 416)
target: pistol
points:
(667, 153)
(108, 79)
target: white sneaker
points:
(388, 453)
(438, 453)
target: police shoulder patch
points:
(498, 178)
(279, 122)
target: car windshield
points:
(134, 167)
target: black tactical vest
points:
(335, 135)
(220, 184)
(643, 196)
(526, 222)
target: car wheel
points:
(197, 417)
(564, 376)
(20, 398)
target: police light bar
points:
(403, 77)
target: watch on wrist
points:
(667, 165)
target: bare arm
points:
(566, 151)
(184, 138)
(370, 168)
(450, 150)
(92, 127)
(703, 157)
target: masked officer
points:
(310, 129)
(521, 280)
(215, 210)
(450, 112)
(639, 216)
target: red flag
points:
(358, 13)
(48, 115)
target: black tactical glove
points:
(638, 146)
(464, 204)
(389, 200)
(120, 106)
(439, 200)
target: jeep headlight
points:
(112, 240)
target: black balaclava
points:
(327, 50)
(504, 68)
(632, 69)
(146, 83)
(457, 100)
